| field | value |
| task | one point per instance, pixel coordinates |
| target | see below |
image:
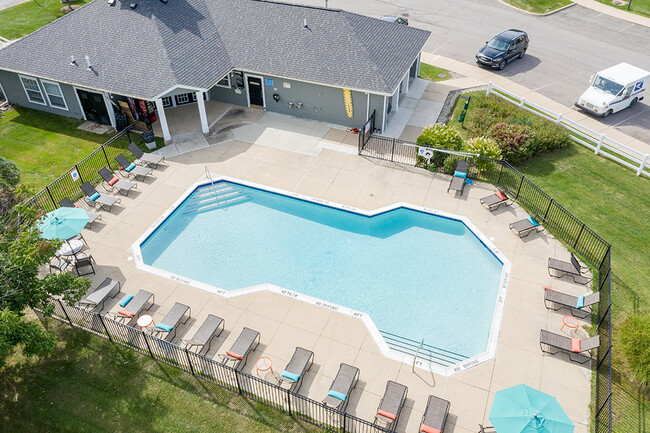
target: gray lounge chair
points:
(246, 342)
(132, 169)
(148, 158)
(95, 197)
(579, 306)
(58, 263)
(435, 415)
(92, 216)
(339, 393)
(457, 183)
(169, 324)
(560, 268)
(391, 404)
(566, 344)
(523, 228)
(298, 365)
(136, 305)
(114, 182)
(493, 201)
(212, 327)
(101, 294)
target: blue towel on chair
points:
(581, 301)
(290, 376)
(337, 394)
(126, 300)
(130, 167)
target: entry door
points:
(255, 91)
(94, 107)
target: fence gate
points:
(367, 131)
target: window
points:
(167, 102)
(183, 98)
(225, 82)
(54, 94)
(32, 90)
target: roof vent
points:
(133, 5)
(164, 1)
(72, 60)
(111, 2)
(90, 67)
(305, 23)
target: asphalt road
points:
(566, 48)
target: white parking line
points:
(625, 120)
(546, 85)
(434, 51)
(624, 28)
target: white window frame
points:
(168, 101)
(65, 103)
(180, 99)
(22, 83)
(221, 85)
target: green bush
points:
(449, 165)
(635, 342)
(514, 140)
(483, 146)
(443, 137)
(548, 137)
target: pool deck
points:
(334, 172)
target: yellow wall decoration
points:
(347, 97)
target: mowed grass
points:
(639, 7)
(433, 73)
(20, 20)
(538, 6)
(43, 145)
(91, 385)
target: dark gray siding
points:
(377, 104)
(228, 95)
(16, 95)
(318, 102)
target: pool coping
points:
(364, 317)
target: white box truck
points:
(614, 89)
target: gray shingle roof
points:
(194, 43)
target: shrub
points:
(635, 342)
(484, 146)
(548, 137)
(449, 165)
(441, 136)
(514, 140)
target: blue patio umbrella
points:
(63, 223)
(522, 409)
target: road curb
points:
(535, 14)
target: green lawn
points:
(538, 6)
(91, 385)
(433, 73)
(20, 20)
(614, 202)
(639, 7)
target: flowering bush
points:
(441, 136)
(483, 146)
(514, 140)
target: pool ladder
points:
(214, 197)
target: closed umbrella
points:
(63, 223)
(522, 409)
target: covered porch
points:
(191, 117)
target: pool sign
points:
(74, 174)
(269, 82)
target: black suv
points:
(503, 48)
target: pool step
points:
(213, 199)
(211, 191)
(424, 352)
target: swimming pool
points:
(416, 274)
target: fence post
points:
(520, 183)
(642, 166)
(144, 335)
(500, 172)
(47, 188)
(108, 164)
(79, 173)
(392, 154)
(600, 143)
(289, 401)
(187, 354)
(579, 234)
(237, 380)
(559, 119)
(548, 208)
(522, 102)
(65, 312)
(345, 419)
(489, 88)
(108, 334)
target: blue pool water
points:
(417, 275)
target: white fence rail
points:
(599, 143)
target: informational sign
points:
(269, 82)
(286, 85)
(347, 97)
(74, 174)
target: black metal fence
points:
(593, 249)
(271, 394)
(85, 171)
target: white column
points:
(163, 119)
(383, 116)
(396, 101)
(405, 82)
(204, 117)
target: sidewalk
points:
(477, 76)
(614, 12)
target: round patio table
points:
(144, 321)
(570, 322)
(70, 248)
(263, 364)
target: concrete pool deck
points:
(337, 174)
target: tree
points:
(22, 253)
